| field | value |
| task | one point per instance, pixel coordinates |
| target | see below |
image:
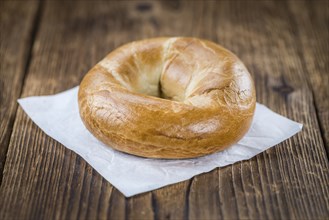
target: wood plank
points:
(44, 180)
(269, 192)
(15, 46)
(312, 41)
(289, 181)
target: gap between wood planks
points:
(321, 127)
(29, 51)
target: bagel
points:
(168, 98)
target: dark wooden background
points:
(47, 47)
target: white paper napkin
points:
(58, 116)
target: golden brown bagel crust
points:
(168, 98)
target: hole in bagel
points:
(180, 69)
(145, 69)
(161, 68)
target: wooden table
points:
(47, 47)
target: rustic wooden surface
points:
(15, 47)
(47, 47)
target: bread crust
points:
(168, 98)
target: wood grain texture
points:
(290, 174)
(313, 48)
(43, 180)
(15, 42)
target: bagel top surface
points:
(168, 98)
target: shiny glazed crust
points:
(168, 98)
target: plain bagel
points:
(168, 98)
